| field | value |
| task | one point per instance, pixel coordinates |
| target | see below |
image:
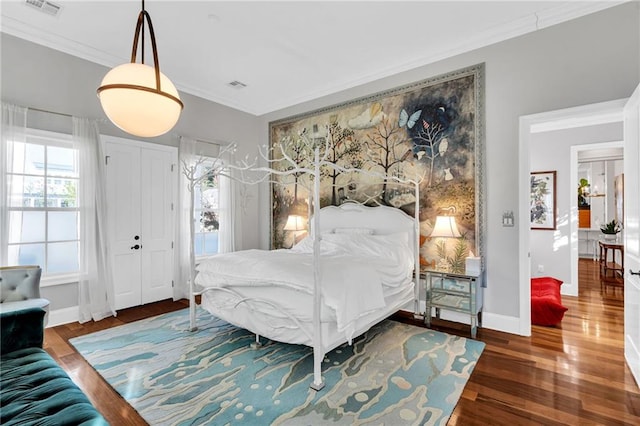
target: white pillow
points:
(358, 231)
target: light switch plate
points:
(508, 218)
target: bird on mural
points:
(444, 145)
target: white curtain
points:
(187, 155)
(227, 211)
(14, 124)
(96, 290)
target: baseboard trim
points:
(63, 316)
(490, 321)
(501, 323)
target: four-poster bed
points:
(355, 269)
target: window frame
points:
(46, 139)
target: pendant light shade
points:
(137, 98)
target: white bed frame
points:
(384, 220)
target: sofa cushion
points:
(546, 301)
(35, 390)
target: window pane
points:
(209, 221)
(26, 191)
(211, 242)
(62, 257)
(28, 158)
(61, 162)
(197, 243)
(26, 254)
(61, 192)
(63, 226)
(26, 227)
(210, 198)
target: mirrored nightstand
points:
(453, 292)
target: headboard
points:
(382, 219)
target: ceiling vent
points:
(44, 6)
(237, 84)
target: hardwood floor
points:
(574, 374)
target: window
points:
(42, 205)
(206, 214)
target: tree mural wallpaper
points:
(433, 129)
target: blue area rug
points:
(395, 374)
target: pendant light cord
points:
(143, 11)
(134, 50)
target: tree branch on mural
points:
(430, 143)
(385, 149)
(341, 149)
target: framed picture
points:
(543, 200)
(432, 128)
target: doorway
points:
(598, 164)
(571, 118)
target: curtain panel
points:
(96, 289)
(13, 130)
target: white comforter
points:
(353, 270)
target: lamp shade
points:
(130, 99)
(445, 227)
(295, 223)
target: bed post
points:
(192, 308)
(416, 254)
(318, 350)
(192, 261)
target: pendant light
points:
(137, 98)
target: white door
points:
(632, 233)
(123, 211)
(156, 226)
(141, 186)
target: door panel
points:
(632, 233)
(157, 224)
(123, 204)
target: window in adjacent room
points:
(206, 214)
(42, 204)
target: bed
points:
(365, 257)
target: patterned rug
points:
(395, 374)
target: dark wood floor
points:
(574, 374)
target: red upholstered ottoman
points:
(546, 303)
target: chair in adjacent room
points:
(20, 289)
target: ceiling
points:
(284, 52)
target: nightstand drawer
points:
(444, 300)
(451, 284)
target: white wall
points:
(588, 60)
(551, 151)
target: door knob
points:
(136, 247)
(634, 273)
(137, 237)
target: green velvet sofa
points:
(34, 389)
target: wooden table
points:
(611, 272)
